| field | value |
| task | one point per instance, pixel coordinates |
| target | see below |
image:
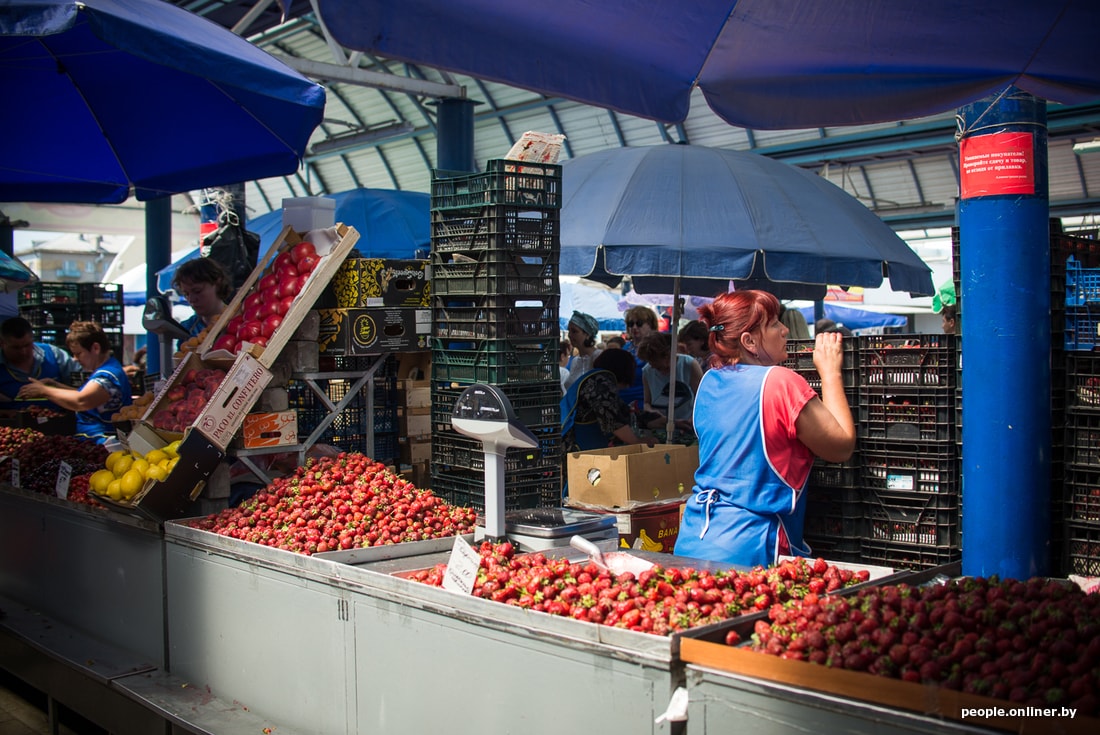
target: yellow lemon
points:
(114, 490)
(141, 465)
(122, 465)
(173, 449)
(156, 472)
(155, 456)
(114, 457)
(130, 483)
(172, 463)
(99, 481)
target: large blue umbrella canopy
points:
(108, 97)
(703, 216)
(759, 63)
(391, 224)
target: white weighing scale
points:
(483, 412)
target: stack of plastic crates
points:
(906, 424)
(496, 240)
(51, 307)
(834, 507)
(350, 428)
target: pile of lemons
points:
(126, 472)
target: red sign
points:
(1000, 163)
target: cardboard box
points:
(414, 421)
(414, 393)
(374, 331)
(624, 477)
(271, 429)
(649, 527)
(414, 450)
(233, 399)
(373, 282)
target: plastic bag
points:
(234, 248)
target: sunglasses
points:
(631, 325)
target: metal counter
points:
(339, 648)
(102, 573)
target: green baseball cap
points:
(944, 297)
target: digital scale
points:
(484, 413)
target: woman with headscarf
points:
(583, 330)
(759, 425)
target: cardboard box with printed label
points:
(649, 527)
(623, 477)
(233, 399)
(372, 282)
(269, 429)
(374, 331)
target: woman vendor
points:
(207, 287)
(759, 425)
(105, 392)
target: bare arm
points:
(92, 395)
(825, 425)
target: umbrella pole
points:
(673, 324)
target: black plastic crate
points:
(496, 363)
(386, 448)
(451, 449)
(1082, 492)
(512, 229)
(833, 548)
(49, 293)
(522, 489)
(800, 358)
(1082, 439)
(495, 272)
(835, 513)
(1083, 380)
(503, 182)
(106, 315)
(535, 404)
(915, 360)
(913, 416)
(1082, 330)
(918, 519)
(1082, 549)
(837, 474)
(101, 293)
(496, 317)
(53, 316)
(906, 556)
(928, 467)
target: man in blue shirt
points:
(21, 358)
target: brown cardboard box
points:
(623, 477)
(271, 429)
(372, 282)
(414, 393)
(374, 331)
(415, 450)
(650, 527)
(414, 422)
(233, 399)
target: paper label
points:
(1000, 163)
(64, 474)
(461, 567)
(899, 482)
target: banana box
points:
(650, 526)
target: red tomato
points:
(267, 282)
(251, 301)
(250, 330)
(285, 304)
(282, 260)
(261, 341)
(307, 263)
(270, 324)
(287, 285)
(302, 250)
(226, 342)
(233, 325)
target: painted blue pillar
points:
(455, 135)
(158, 254)
(1004, 304)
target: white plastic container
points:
(306, 214)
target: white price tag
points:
(14, 472)
(64, 474)
(461, 567)
(899, 482)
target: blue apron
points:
(739, 501)
(12, 380)
(95, 425)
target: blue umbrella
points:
(855, 318)
(391, 224)
(108, 96)
(13, 274)
(759, 63)
(687, 219)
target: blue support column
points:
(158, 255)
(1005, 314)
(455, 135)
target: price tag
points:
(461, 567)
(64, 474)
(14, 472)
(899, 482)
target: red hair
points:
(734, 314)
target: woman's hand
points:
(33, 389)
(828, 353)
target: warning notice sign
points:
(1001, 163)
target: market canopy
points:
(759, 63)
(107, 96)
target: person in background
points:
(824, 326)
(795, 323)
(656, 350)
(138, 365)
(207, 288)
(759, 425)
(946, 304)
(949, 319)
(583, 330)
(105, 392)
(614, 343)
(694, 337)
(565, 352)
(22, 360)
(593, 413)
(640, 321)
